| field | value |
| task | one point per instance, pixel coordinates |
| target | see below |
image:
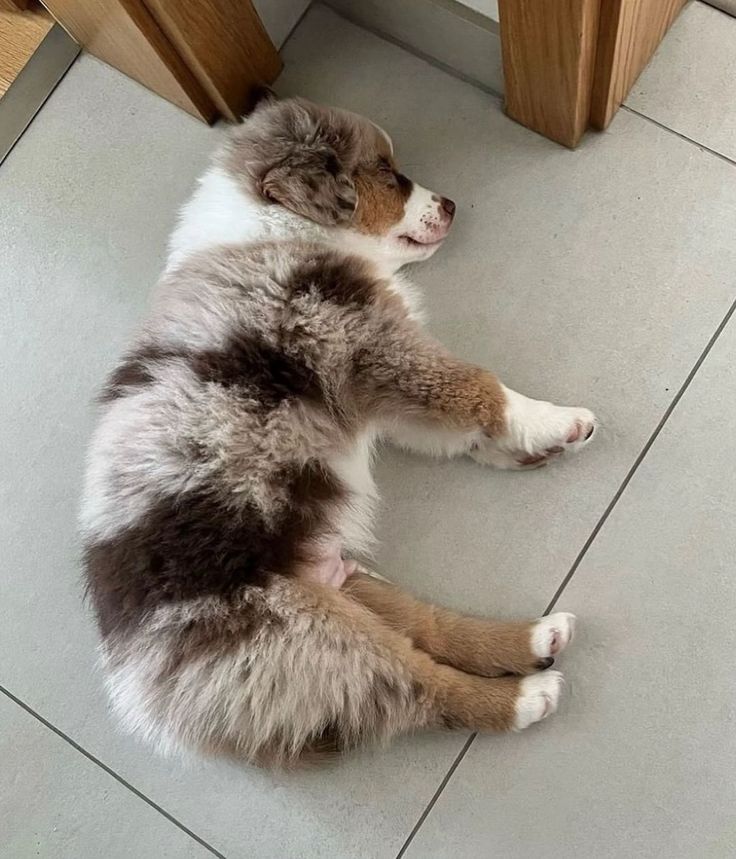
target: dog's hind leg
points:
(485, 647)
(295, 668)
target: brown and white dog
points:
(229, 491)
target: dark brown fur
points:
(337, 278)
(133, 372)
(198, 545)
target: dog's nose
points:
(448, 205)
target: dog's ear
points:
(301, 156)
(312, 182)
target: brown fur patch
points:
(132, 373)
(477, 396)
(197, 545)
(382, 196)
(340, 279)
(475, 703)
(257, 369)
(246, 363)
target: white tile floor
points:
(598, 277)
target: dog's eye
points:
(387, 173)
(385, 170)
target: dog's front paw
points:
(536, 431)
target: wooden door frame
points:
(569, 64)
(206, 56)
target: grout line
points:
(644, 451)
(442, 785)
(111, 772)
(679, 134)
(588, 543)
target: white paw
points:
(538, 698)
(536, 432)
(552, 634)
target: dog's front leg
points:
(452, 406)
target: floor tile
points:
(55, 803)
(592, 277)
(690, 84)
(640, 759)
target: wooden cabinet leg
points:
(569, 64)
(548, 63)
(224, 44)
(206, 56)
(629, 33)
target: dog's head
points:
(338, 170)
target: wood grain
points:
(549, 61)
(224, 43)
(124, 34)
(17, 4)
(21, 32)
(629, 33)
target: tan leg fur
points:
(485, 647)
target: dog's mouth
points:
(417, 243)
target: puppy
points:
(229, 491)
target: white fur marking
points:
(538, 698)
(534, 429)
(552, 634)
(353, 468)
(221, 213)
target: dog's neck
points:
(222, 212)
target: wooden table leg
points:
(629, 33)
(206, 56)
(548, 63)
(569, 64)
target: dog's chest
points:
(409, 294)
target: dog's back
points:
(217, 488)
